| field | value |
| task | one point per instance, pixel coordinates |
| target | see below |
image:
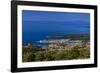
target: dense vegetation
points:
(35, 53)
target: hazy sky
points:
(54, 16)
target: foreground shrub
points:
(75, 52)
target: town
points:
(60, 44)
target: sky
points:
(29, 15)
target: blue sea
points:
(33, 31)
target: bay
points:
(33, 31)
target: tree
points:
(28, 57)
(39, 56)
(84, 53)
(49, 56)
(73, 53)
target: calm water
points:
(39, 30)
